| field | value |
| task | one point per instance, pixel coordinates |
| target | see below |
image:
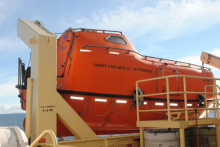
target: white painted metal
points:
(162, 144)
(12, 137)
(210, 59)
(167, 136)
(163, 139)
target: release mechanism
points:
(141, 99)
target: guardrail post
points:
(185, 98)
(217, 102)
(141, 137)
(137, 102)
(214, 100)
(182, 137)
(217, 135)
(29, 105)
(106, 142)
(168, 98)
(217, 109)
(206, 104)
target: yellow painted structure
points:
(172, 122)
(44, 103)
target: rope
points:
(122, 112)
(111, 105)
(85, 108)
(135, 110)
(150, 105)
(100, 115)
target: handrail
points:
(102, 138)
(146, 57)
(215, 99)
(186, 110)
(104, 31)
(53, 137)
(55, 144)
(179, 92)
(178, 76)
(153, 110)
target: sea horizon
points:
(12, 119)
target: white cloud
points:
(5, 43)
(8, 87)
(10, 109)
(12, 46)
(168, 19)
(195, 59)
(153, 49)
(9, 93)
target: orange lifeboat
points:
(96, 75)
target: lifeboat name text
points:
(122, 67)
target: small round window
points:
(116, 39)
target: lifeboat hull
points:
(97, 79)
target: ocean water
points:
(15, 119)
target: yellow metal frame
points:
(104, 141)
(181, 124)
(52, 135)
(44, 104)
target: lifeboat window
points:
(121, 101)
(159, 104)
(116, 53)
(100, 100)
(138, 56)
(83, 50)
(76, 98)
(173, 104)
(189, 105)
(116, 39)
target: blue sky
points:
(172, 29)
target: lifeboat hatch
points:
(64, 50)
